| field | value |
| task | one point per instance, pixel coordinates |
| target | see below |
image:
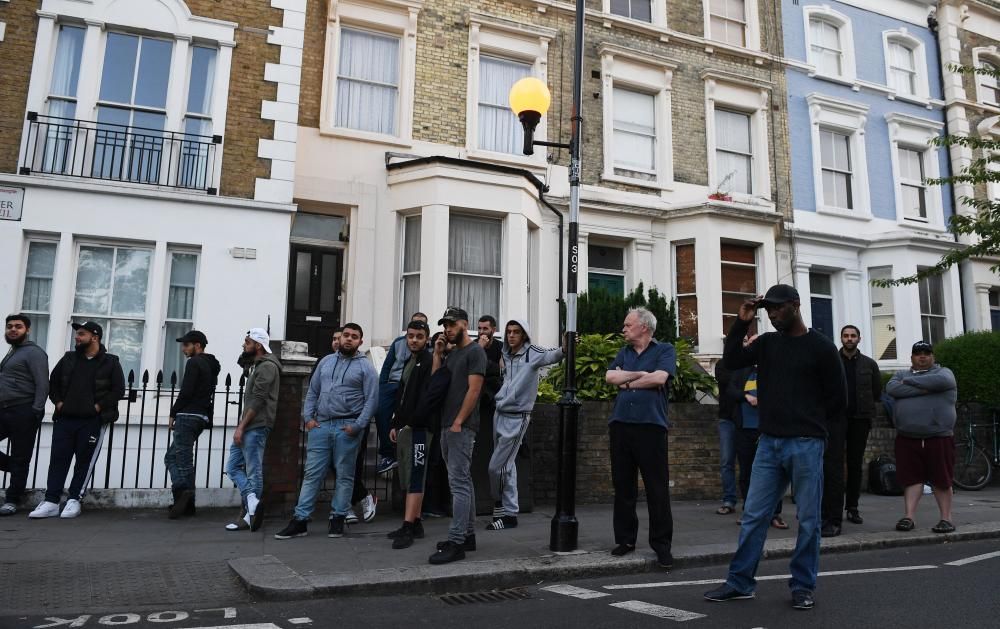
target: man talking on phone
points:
(801, 394)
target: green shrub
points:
(973, 358)
(599, 312)
(593, 355)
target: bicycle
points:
(974, 463)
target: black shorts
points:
(930, 460)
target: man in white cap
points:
(246, 455)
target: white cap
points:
(261, 336)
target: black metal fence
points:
(100, 150)
(132, 454)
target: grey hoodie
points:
(24, 376)
(925, 402)
(520, 378)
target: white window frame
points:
(514, 41)
(827, 113)
(921, 85)
(914, 133)
(882, 271)
(24, 281)
(757, 270)
(403, 273)
(652, 75)
(942, 316)
(610, 244)
(848, 72)
(165, 293)
(751, 25)
(503, 258)
(729, 93)
(658, 13)
(991, 55)
(136, 17)
(676, 290)
(396, 18)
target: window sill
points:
(858, 215)
(366, 136)
(642, 183)
(913, 99)
(840, 80)
(537, 161)
(922, 225)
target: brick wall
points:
(16, 51)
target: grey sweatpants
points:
(508, 433)
(456, 450)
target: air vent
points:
(492, 596)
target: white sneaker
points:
(71, 510)
(252, 502)
(45, 510)
(351, 517)
(368, 507)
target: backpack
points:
(882, 477)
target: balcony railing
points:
(111, 152)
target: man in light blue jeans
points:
(342, 398)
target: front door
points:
(314, 296)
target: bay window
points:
(474, 264)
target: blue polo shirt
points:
(644, 406)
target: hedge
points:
(975, 359)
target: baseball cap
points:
(194, 336)
(90, 326)
(261, 336)
(922, 347)
(453, 314)
(780, 294)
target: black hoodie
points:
(197, 394)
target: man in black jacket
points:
(190, 414)
(85, 386)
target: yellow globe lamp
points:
(529, 100)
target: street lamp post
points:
(529, 99)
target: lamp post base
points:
(563, 534)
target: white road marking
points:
(669, 613)
(967, 560)
(227, 612)
(773, 577)
(300, 621)
(575, 592)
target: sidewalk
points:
(363, 562)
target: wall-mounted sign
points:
(11, 203)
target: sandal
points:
(778, 523)
(905, 524)
(944, 526)
(725, 510)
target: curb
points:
(268, 578)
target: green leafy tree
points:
(599, 312)
(983, 227)
(973, 359)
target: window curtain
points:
(368, 81)
(66, 70)
(635, 130)
(734, 154)
(411, 267)
(474, 265)
(180, 306)
(499, 128)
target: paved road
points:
(939, 586)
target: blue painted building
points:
(864, 106)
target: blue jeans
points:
(727, 461)
(246, 462)
(778, 461)
(179, 459)
(324, 443)
(383, 419)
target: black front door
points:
(314, 297)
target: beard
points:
(18, 340)
(348, 353)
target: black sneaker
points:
(727, 593)
(854, 516)
(468, 546)
(830, 529)
(183, 500)
(336, 526)
(802, 599)
(295, 528)
(622, 549)
(404, 539)
(447, 553)
(503, 522)
(665, 560)
(416, 530)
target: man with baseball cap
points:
(801, 395)
(190, 414)
(85, 387)
(924, 415)
(260, 404)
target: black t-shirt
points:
(800, 380)
(493, 352)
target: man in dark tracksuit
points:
(190, 414)
(85, 386)
(24, 385)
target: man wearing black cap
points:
(801, 393)
(459, 424)
(190, 414)
(85, 387)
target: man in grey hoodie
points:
(514, 402)
(24, 385)
(924, 414)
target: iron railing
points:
(113, 152)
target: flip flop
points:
(905, 524)
(725, 510)
(944, 526)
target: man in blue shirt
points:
(638, 430)
(342, 398)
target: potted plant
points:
(721, 193)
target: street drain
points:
(492, 596)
